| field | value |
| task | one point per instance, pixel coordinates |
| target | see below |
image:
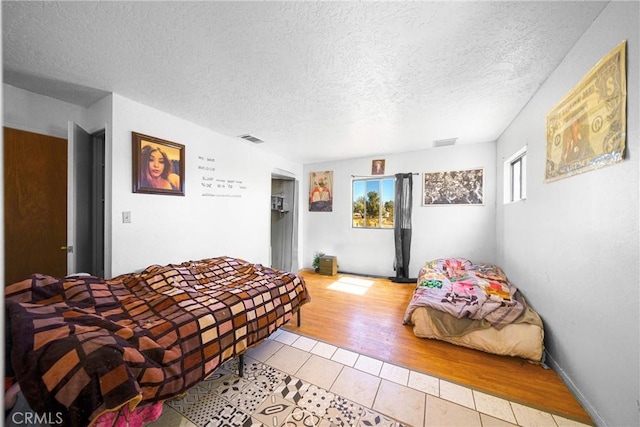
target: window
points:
(372, 203)
(515, 177)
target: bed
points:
(84, 349)
(474, 305)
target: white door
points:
(79, 200)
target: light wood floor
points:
(371, 324)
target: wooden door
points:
(35, 205)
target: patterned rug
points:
(267, 397)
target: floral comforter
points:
(466, 290)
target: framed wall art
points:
(158, 165)
(377, 167)
(321, 191)
(463, 187)
(586, 130)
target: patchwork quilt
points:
(465, 290)
(82, 346)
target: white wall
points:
(171, 229)
(164, 228)
(31, 112)
(438, 231)
(36, 113)
(573, 246)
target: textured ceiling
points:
(315, 80)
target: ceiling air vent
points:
(444, 142)
(251, 138)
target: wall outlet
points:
(126, 217)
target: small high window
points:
(515, 177)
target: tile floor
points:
(411, 397)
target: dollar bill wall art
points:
(586, 130)
(463, 187)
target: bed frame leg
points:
(241, 356)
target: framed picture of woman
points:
(158, 166)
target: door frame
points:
(292, 218)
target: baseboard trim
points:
(576, 391)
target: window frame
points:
(365, 180)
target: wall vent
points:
(444, 142)
(251, 138)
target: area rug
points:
(265, 396)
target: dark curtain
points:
(402, 226)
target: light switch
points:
(126, 217)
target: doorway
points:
(97, 203)
(85, 221)
(53, 204)
(284, 223)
